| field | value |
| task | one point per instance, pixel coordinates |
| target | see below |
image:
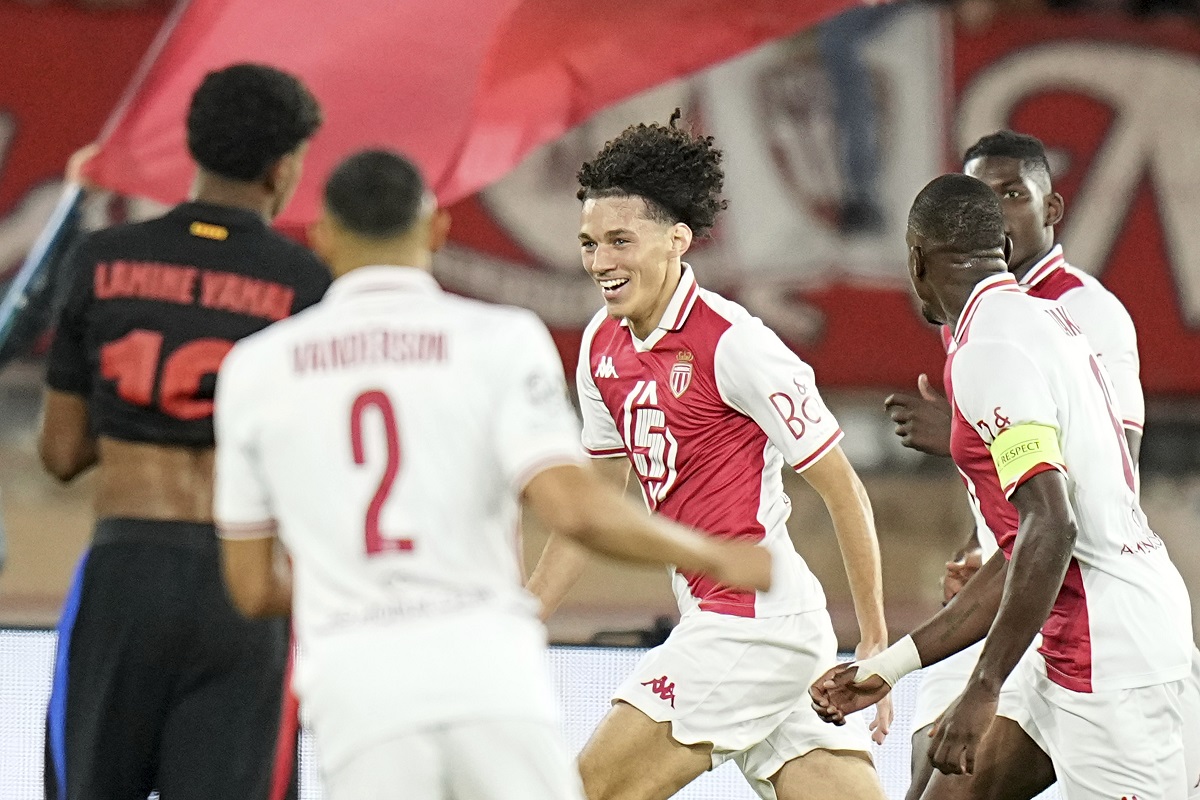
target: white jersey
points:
(1103, 320)
(709, 408)
(389, 430)
(1109, 330)
(1122, 618)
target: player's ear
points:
(1054, 209)
(1008, 248)
(439, 229)
(681, 239)
(320, 237)
(916, 263)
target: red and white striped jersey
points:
(1122, 618)
(709, 408)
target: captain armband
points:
(1021, 448)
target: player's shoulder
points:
(1093, 298)
(121, 236)
(722, 311)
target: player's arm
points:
(257, 574)
(577, 503)
(1111, 333)
(854, 524)
(65, 441)
(564, 560)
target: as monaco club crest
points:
(681, 373)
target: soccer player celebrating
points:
(159, 683)
(1038, 438)
(709, 405)
(1015, 167)
(385, 437)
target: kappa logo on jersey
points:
(681, 373)
(662, 688)
(605, 368)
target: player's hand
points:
(78, 160)
(956, 735)
(836, 694)
(958, 573)
(884, 713)
(922, 421)
(744, 565)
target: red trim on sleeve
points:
(1036, 469)
(804, 464)
(1128, 423)
(607, 452)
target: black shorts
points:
(159, 683)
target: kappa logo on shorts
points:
(664, 690)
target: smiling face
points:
(1031, 207)
(633, 258)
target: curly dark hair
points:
(245, 117)
(1010, 144)
(677, 173)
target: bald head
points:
(958, 213)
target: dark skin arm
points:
(1045, 541)
(1031, 583)
(65, 442)
(922, 420)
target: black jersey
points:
(153, 308)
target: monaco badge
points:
(681, 373)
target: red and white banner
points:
(1115, 100)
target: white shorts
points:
(1120, 743)
(742, 685)
(942, 683)
(486, 760)
(1191, 727)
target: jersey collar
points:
(377, 279)
(1043, 269)
(1000, 282)
(677, 311)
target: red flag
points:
(464, 87)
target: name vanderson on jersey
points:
(1122, 619)
(423, 414)
(709, 408)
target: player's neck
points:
(354, 258)
(1019, 271)
(644, 325)
(218, 191)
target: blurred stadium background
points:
(1112, 88)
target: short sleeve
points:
(242, 502)
(601, 439)
(757, 375)
(1113, 338)
(68, 368)
(998, 388)
(536, 427)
